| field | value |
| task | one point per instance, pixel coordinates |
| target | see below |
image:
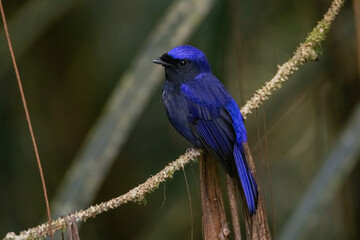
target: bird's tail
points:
(247, 180)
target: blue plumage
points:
(201, 109)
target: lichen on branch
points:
(307, 51)
(136, 194)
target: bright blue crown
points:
(190, 53)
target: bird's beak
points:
(159, 61)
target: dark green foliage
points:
(71, 66)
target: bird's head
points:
(183, 63)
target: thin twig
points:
(136, 194)
(269, 174)
(356, 7)
(309, 50)
(190, 204)
(27, 116)
(38, 16)
(119, 115)
(335, 169)
(257, 226)
(234, 211)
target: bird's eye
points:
(183, 63)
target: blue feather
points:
(201, 109)
(247, 180)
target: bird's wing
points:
(210, 121)
(217, 122)
(217, 137)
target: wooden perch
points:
(215, 225)
(214, 221)
(257, 227)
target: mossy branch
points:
(136, 194)
(307, 51)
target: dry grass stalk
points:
(257, 227)
(136, 194)
(307, 51)
(233, 203)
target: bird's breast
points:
(176, 107)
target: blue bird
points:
(202, 110)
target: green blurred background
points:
(73, 56)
